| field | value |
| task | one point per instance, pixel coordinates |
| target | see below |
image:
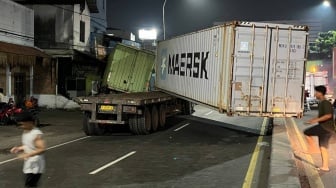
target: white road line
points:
(65, 143)
(53, 147)
(181, 127)
(112, 163)
(209, 113)
(9, 160)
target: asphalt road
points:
(190, 153)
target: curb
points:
(283, 170)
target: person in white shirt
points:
(31, 151)
(2, 96)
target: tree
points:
(325, 43)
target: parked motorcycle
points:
(11, 114)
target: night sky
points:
(183, 16)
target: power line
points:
(78, 12)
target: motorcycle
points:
(11, 114)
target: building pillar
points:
(8, 81)
(31, 77)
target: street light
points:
(326, 3)
(163, 19)
(148, 34)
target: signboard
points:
(334, 63)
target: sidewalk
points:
(291, 168)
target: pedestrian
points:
(31, 151)
(334, 105)
(323, 128)
(2, 96)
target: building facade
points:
(20, 60)
(65, 30)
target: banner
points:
(334, 63)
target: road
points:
(189, 153)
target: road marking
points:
(312, 174)
(181, 127)
(112, 163)
(209, 113)
(254, 160)
(53, 147)
(65, 143)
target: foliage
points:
(325, 43)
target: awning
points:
(14, 55)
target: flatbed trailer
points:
(144, 112)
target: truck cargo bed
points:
(136, 99)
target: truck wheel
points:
(88, 128)
(269, 130)
(155, 118)
(187, 108)
(145, 122)
(133, 124)
(99, 129)
(86, 124)
(162, 116)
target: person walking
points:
(323, 128)
(31, 151)
(2, 96)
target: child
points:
(31, 151)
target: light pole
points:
(163, 19)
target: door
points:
(19, 87)
(250, 70)
(287, 70)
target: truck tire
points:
(88, 128)
(187, 108)
(133, 124)
(144, 124)
(155, 118)
(99, 129)
(270, 126)
(162, 116)
(86, 124)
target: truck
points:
(130, 99)
(238, 68)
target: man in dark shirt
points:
(323, 129)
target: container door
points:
(142, 72)
(121, 69)
(250, 70)
(286, 86)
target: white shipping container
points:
(254, 69)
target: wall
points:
(16, 23)
(44, 78)
(84, 16)
(3, 78)
(98, 20)
(53, 28)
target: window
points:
(82, 31)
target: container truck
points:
(239, 68)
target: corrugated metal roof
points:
(21, 50)
(14, 54)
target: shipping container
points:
(243, 68)
(129, 69)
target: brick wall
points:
(44, 78)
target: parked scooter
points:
(11, 114)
